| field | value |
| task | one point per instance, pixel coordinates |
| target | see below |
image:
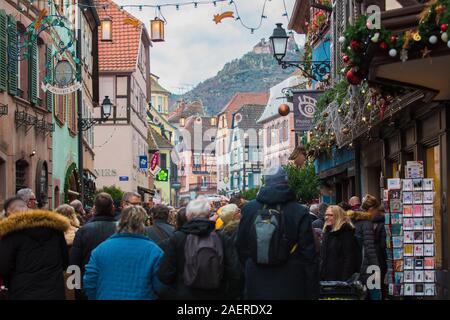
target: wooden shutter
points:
(32, 86)
(3, 50)
(49, 74)
(12, 54)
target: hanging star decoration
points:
(425, 52)
(134, 22)
(219, 17)
(38, 22)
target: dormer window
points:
(106, 25)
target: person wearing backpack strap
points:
(200, 263)
(275, 243)
(161, 229)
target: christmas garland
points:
(359, 42)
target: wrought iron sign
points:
(316, 70)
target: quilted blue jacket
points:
(123, 267)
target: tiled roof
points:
(250, 113)
(240, 99)
(121, 53)
(159, 140)
(186, 110)
(156, 87)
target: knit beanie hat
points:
(275, 176)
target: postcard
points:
(385, 195)
(418, 263)
(398, 253)
(418, 276)
(398, 265)
(428, 223)
(407, 210)
(428, 184)
(396, 218)
(428, 210)
(398, 278)
(407, 197)
(408, 223)
(388, 231)
(414, 169)
(428, 236)
(428, 250)
(408, 250)
(418, 236)
(409, 289)
(388, 242)
(429, 276)
(419, 223)
(408, 263)
(394, 184)
(418, 250)
(417, 183)
(390, 256)
(408, 276)
(408, 185)
(417, 210)
(396, 206)
(397, 241)
(428, 263)
(397, 229)
(408, 237)
(417, 196)
(394, 195)
(428, 197)
(430, 289)
(419, 289)
(398, 290)
(387, 219)
(391, 289)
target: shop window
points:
(21, 174)
(433, 170)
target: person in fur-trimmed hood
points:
(33, 255)
(367, 253)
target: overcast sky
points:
(196, 48)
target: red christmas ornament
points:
(346, 59)
(444, 27)
(383, 45)
(353, 77)
(354, 44)
(393, 39)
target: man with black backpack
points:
(198, 262)
(275, 243)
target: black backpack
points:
(268, 242)
(204, 261)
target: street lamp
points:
(87, 123)
(315, 70)
(157, 30)
(279, 40)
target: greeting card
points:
(428, 210)
(418, 223)
(430, 289)
(398, 265)
(418, 197)
(408, 263)
(418, 263)
(428, 197)
(396, 206)
(407, 197)
(429, 276)
(418, 276)
(428, 184)
(408, 223)
(417, 210)
(419, 289)
(397, 242)
(394, 184)
(428, 223)
(407, 210)
(408, 276)
(428, 263)
(417, 183)
(408, 250)
(418, 250)
(398, 278)
(398, 253)
(418, 236)
(396, 218)
(428, 250)
(409, 289)
(408, 237)
(408, 185)
(428, 236)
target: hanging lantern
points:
(283, 109)
(157, 30)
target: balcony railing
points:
(203, 187)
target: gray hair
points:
(314, 208)
(198, 208)
(128, 195)
(132, 220)
(25, 194)
(77, 205)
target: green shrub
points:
(115, 192)
(304, 182)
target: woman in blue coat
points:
(124, 267)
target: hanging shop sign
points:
(162, 175)
(143, 162)
(304, 109)
(64, 90)
(155, 161)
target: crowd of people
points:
(271, 247)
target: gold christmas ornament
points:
(416, 36)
